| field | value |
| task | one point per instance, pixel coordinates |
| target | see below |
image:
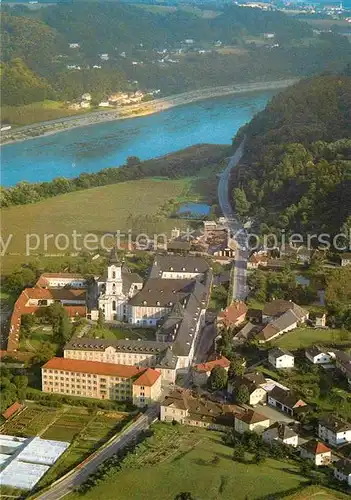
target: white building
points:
(342, 470)
(334, 431)
(282, 433)
(319, 356)
(280, 358)
(104, 104)
(86, 97)
(115, 289)
(316, 451)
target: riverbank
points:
(137, 110)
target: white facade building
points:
(334, 431)
(281, 359)
(318, 356)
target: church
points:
(115, 288)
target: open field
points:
(198, 463)
(305, 337)
(36, 337)
(317, 493)
(96, 210)
(37, 111)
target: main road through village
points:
(80, 474)
(239, 289)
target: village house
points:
(104, 104)
(343, 363)
(257, 260)
(85, 104)
(254, 381)
(334, 430)
(202, 371)
(86, 97)
(279, 358)
(282, 433)
(342, 470)
(74, 45)
(232, 316)
(141, 386)
(345, 259)
(276, 308)
(183, 406)
(250, 421)
(316, 451)
(319, 320)
(319, 356)
(284, 400)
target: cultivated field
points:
(197, 462)
(86, 430)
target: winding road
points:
(234, 225)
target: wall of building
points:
(332, 437)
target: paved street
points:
(236, 230)
(77, 477)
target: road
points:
(237, 232)
(78, 476)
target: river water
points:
(92, 148)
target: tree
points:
(242, 395)
(43, 354)
(185, 495)
(239, 453)
(101, 319)
(242, 205)
(64, 329)
(132, 161)
(218, 379)
(236, 369)
(19, 280)
(259, 457)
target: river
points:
(92, 148)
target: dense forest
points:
(296, 173)
(41, 38)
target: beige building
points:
(91, 379)
(251, 421)
(281, 432)
(183, 406)
(316, 451)
(254, 381)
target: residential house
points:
(104, 57)
(232, 316)
(257, 260)
(178, 246)
(142, 386)
(254, 382)
(285, 323)
(183, 406)
(254, 315)
(345, 259)
(85, 104)
(319, 356)
(74, 45)
(334, 430)
(303, 255)
(320, 320)
(202, 371)
(276, 308)
(284, 400)
(250, 421)
(12, 410)
(279, 358)
(342, 470)
(280, 432)
(86, 96)
(104, 104)
(316, 451)
(343, 363)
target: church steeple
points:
(114, 259)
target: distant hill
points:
(20, 85)
(297, 168)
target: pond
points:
(194, 209)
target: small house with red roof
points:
(316, 451)
(12, 410)
(202, 371)
(232, 316)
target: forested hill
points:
(296, 173)
(136, 39)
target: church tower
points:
(114, 282)
(112, 299)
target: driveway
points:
(273, 414)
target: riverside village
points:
(182, 339)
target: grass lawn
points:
(197, 462)
(37, 112)
(97, 210)
(37, 336)
(123, 333)
(305, 337)
(317, 493)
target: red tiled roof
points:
(315, 447)
(148, 378)
(232, 313)
(97, 368)
(207, 367)
(11, 410)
